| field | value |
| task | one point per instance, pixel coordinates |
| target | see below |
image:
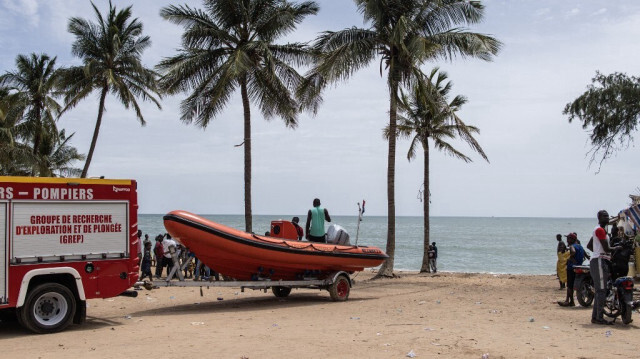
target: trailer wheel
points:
(339, 290)
(48, 308)
(281, 292)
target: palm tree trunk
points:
(247, 156)
(103, 95)
(426, 197)
(387, 267)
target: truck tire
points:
(340, 289)
(281, 292)
(48, 308)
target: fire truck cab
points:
(63, 241)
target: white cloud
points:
(600, 12)
(542, 12)
(571, 13)
(26, 8)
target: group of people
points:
(602, 246)
(160, 256)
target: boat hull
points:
(245, 256)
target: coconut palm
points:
(427, 115)
(403, 34)
(111, 51)
(30, 91)
(56, 158)
(230, 45)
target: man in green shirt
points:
(315, 223)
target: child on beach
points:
(146, 262)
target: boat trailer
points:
(338, 284)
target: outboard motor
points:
(337, 235)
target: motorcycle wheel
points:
(585, 292)
(627, 309)
(626, 314)
(612, 305)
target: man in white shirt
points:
(599, 266)
(168, 260)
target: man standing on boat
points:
(315, 223)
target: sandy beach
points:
(444, 315)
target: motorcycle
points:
(619, 298)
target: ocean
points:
(501, 245)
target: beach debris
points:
(478, 302)
(485, 356)
(421, 302)
(607, 333)
(220, 298)
(411, 354)
(197, 323)
(196, 303)
(354, 318)
(378, 334)
(274, 325)
(109, 300)
(531, 319)
(172, 297)
(429, 329)
(438, 302)
(546, 328)
(127, 317)
(386, 344)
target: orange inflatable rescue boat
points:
(246, 256)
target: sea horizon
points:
(495, 245)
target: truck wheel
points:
(339, 290)
(48, 308)
(281, 292)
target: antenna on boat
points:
(360, 212)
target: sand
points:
(442, 315)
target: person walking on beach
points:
(146, 261)
(433, 257)
(168, 259)
(158, 251)
(599, 266)
(576, 257)
(315, 222)
(561, 264)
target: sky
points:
(538, 166)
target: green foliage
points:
(428, 115)
(610, 108)
(111, 51)
(30, 143)
(232, 42)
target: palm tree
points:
(30, 93)
(230, 45)
(56, 157)
(404, 34)
(111, 52)
(427, 115)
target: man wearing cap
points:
(599, 266)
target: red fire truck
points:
(63, 241)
